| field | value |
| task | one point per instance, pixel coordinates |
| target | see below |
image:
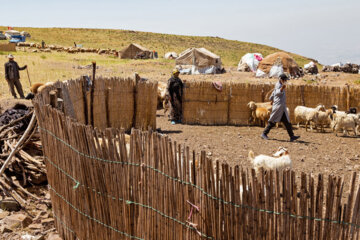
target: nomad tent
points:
(171, 55)
(135, 51)
(277, 63)
(197, 61)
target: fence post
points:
(53, 98)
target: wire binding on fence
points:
(129, 202)
(198, 187)
(91, 218)
(64, 224)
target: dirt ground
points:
(314, 153)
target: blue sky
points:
(325, 30)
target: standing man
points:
(175, 92)
(279, 110)
(12, 76)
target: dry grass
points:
(229, 50)
(44, 67)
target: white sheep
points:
(323, 119)
(307, 115)
(279, 161)
(344, 122)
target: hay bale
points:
(146, 105)
(203, 104)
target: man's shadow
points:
(297, 141)
(168, 131)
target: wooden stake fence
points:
(162, 190)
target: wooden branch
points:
(22, 139)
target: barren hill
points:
(231, 51)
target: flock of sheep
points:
(317, 117)
(38, 48)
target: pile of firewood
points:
(27, 167)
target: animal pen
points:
(203, 104)
(161, 189)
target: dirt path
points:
(315, 152)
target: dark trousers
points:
(175, 108)
(285, 121)
(15, 83)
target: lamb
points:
(260, 111)
(323, 119)
(307, 115)
(345, 122)
(279, 161)
(338, 114)
(261, 114)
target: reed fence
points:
(205, 105)
(162, 190)
(108, 102)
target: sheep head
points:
(252, 106)
(320, 107)
(281, 152)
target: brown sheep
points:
(38, 87)
(262, 114)
(253, 106)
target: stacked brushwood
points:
(27, 167)
(346, 68)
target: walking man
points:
(175, 92)
(279, 110)
(12, 76)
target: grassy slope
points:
(230, 51)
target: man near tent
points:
(175, 92)
(279, 110)
(12, 76)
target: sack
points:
(260, 74)
(276, 71)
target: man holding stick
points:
(12, 76)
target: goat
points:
(307, 115)
(279, 161)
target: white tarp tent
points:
(198, 61)
(249, 62)
(171, 55)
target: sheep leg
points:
(311, 128)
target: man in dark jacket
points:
(12, 76)
(175, 92)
